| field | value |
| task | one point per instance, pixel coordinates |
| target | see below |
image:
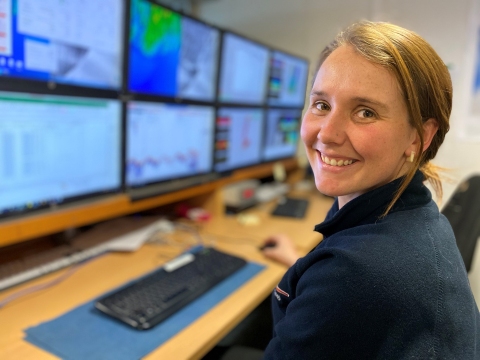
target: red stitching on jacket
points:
(282, 292)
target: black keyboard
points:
(160, 294)
(291, 207)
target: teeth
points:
(334, 162)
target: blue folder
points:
(86, 333)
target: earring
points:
(411, 157)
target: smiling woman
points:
(357, 116)
(423, 84)
(387, 281)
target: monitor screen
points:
(55, 148)
(288, 80)
(281, 136)
(167, 141)
(244, 71)
(238, 138)
(171, 55)
(77, 42)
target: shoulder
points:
(392, 253)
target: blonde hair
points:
(423, 79)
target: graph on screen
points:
(171, 55)
(238, 137)
(282, 133)
(166, 141)
(288, 79)
(53, 148)
(75, 42)
(244, 71)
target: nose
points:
(332, 128)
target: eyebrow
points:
(371, 101)
(357, 98)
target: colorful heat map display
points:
(171, 55)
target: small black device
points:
(291, 207)
(153, 298)
(267, 245)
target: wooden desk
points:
(112, 270)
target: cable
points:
(160, 237)
(35, 288)
(171, 237)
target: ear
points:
(430, 128)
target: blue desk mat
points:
(86, 333)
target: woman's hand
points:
(280, 248)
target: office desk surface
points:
(112, 270)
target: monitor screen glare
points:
(171, 55)
(167, 141)
(53, 148)
(76, 42)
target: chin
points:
(326, 188)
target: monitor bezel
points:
(228, 171)
(268, 48)
(67, 201)
(160, 186)
(301, 58)
(142, 96)
(279, 158)
(51, 87)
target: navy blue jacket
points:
(389, 288)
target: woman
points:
(387, 281)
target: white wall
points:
(304, 27)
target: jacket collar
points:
(368, 207)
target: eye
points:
(322, 106)
(366, 114)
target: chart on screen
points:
(167, 141)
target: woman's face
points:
(356, 130)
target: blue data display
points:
(171, 55)
(77, 42)
(166, 141)
(288, 80)
(282, 133)
(244, 71)
(53, 148)
(238, 138)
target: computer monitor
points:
(171, 55)
(244, 71)
(288, 80)
(166, 142)
(76, 42)
(238, 138)
(54, 149)
(281, 135)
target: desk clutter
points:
(87, 333)
(246, 194)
